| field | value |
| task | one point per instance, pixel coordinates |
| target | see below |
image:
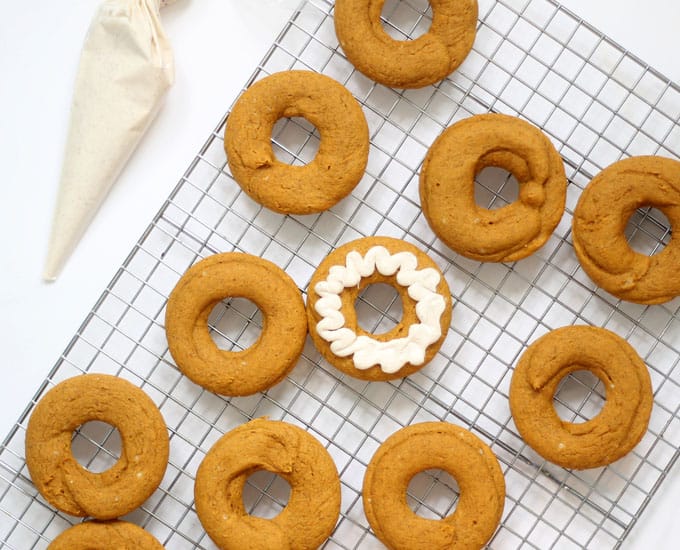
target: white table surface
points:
(217, 44)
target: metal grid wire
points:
(531, 58)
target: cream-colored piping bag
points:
(126, 67)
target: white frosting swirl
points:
(393, 354)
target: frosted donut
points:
(103, 535)
(270, 358)
(615, 430)
(343, 150)
(335, 286)
(57, 474)
(426, 446)
(406, 63)
(447, 188)
(281, 448)
(600, 218)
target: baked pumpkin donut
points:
(103, 535)
(343, 150)
(425, 446)
(406, 63)
(606, 437)
(284, 449)
(284, 326)
(426, 301)
(600, 219)
(57, 474)
(447, 188)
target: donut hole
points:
(433, 494)
(579, 397)
(648, 231)
(265, 494)
(378, 308)
(235, 324)
(495, 188)
(96, 446)
(295, 141)
(406, 20)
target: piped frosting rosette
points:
(426, 302)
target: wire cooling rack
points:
(531, 58)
